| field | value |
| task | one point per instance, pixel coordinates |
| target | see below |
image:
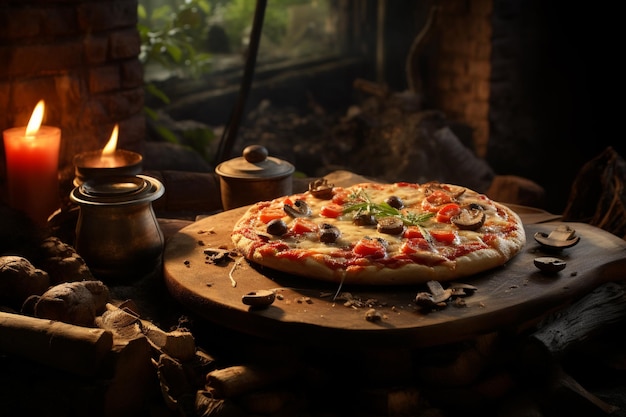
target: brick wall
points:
(81, 57)
(460, 69)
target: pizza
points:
(380, 234)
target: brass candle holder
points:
(96, 165)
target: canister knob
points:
(255, 153)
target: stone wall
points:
(81, 58)
(460, 67)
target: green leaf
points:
(199, 139)
(150, 113)
(203, 5)
(167, 134)
(143, 31)
(161, 12)
(174, 51)
(158, 93)
(141, 12)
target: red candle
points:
(32, 158)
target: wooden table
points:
(305, 311)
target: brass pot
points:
(117, 232)
(253, 177)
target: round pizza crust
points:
(249, 237)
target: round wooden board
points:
(305, 310)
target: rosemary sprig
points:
(384, 210)
(365, 205)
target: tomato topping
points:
(370, 247)
(268, 214)
(340, 196)
(271, 249)
(407, 184)
(447, 212)
(466, 248)
(331, 210)
(490, 239)
(414, 245)
(439, 197)
(443, 236)
(412, 232)
(287, 201)
(301, 225)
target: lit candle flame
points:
(109, 148)
(35, 119)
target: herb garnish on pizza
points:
(380, 234)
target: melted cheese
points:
(412, 196)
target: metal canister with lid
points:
(117, 232)
(253, 177)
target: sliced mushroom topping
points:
(461, 290)
(321, 189)
(277, 227)
(549, 264)
(302, 209)
(471, 217)
(562, 237)
(390, 225)
(328, 233)
(218, 256)
(435, 297)
(259, 298)
(427, 300)
(395, 202)
(364, 219)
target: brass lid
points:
(255, 164)
(116, 191)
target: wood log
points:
(563, 331)
(206, 405)
(178, 392)
(402, 401)
(268, 402)
(131, 381)
(591, 315)
(75, 349)
(242, 379)
(176, 343)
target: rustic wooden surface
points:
(306, 313)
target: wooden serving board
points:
(305, 311)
